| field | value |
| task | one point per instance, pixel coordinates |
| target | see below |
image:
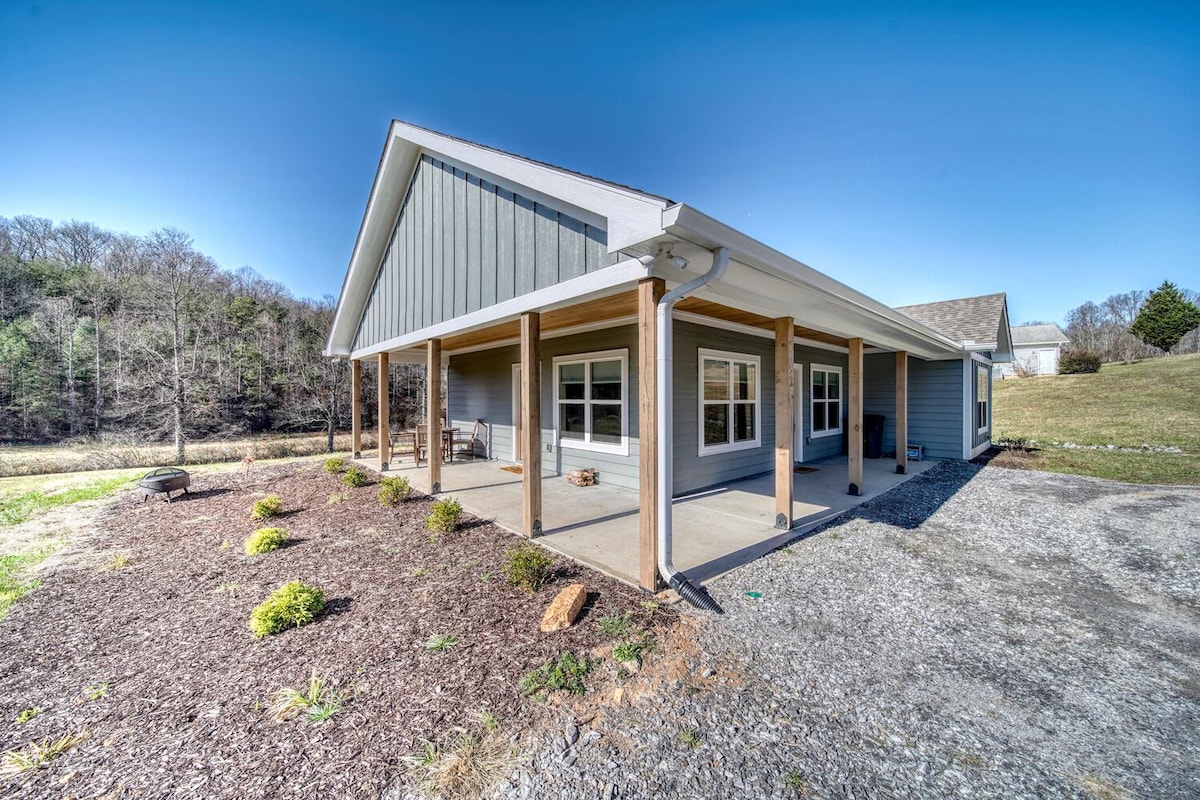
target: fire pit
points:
(164, 480)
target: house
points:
(592, 325)
(1036, 350)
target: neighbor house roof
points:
(980, 323)
(1038, 334)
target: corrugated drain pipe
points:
(696, 595)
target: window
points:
(982, 420)
(590, 401)
(729, 402)
(826, 400)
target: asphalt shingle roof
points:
(975, 319)
(1038, 334)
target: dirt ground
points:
(154, 663)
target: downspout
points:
(695, 595)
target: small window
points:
(590, 401)
(729, 402)
(982, 411)
(827, 398)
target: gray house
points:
(591, 325)
(1036, 350)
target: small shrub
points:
(316, 705)
(528, 567)
(441, 642)
(1078, 362)
(444, 515)
(354, 477)
(36, 754)
(393, 491)
(565, 674)
(616, 624)
(269, 506)
(264, 540)
(293, 604)
(333, 466)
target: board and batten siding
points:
(462, 243)
(935, 405)
(822, 446)
(480, 386)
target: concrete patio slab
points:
(714, 530)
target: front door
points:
(798, 410)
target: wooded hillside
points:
(145, 337)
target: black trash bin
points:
(872, 436)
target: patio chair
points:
(402, 443)
(465, 445)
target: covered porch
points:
(715, 530)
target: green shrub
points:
(334, 466)
(566, 674)
(269, 506)
(355, 477)
(394, 491)
(290, 606)
(1077, 362)
(528, 567)
(444, 515)
(264, 540)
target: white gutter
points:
(665, 402)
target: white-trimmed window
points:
(983, 418)
(826, 400)
(591, 401)
(730, 411)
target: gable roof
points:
(1038, 334)
(980, 323)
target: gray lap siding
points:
(935, 402)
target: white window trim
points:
(621, 449)
(813, 369)
(729, 447)
(982, 369)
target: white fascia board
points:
(594, 285)
(687, 223)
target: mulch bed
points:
(188, 686)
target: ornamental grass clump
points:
(269, 506)
(293, 604)
(394, 491)
(528, 567)
(444, 516)
(334, 465)
(354, 477)
(264, 540)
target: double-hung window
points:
(591, 401)
(730, 415)
(826, 400)
(982, 420)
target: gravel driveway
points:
(975, 632)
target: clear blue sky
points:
(917, 152)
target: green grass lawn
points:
(1154, 402)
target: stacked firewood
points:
(581, 477)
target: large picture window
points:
(826, 400)
(982, 418)
(590, 401)
(729, 402)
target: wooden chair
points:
(465, 445)
(402, 443)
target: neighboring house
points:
(1036, 349)
(537, 289)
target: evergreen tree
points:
(1165, 318)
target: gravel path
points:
(976, 632)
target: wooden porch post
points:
(901, 412)
(531, 430)
(356, 407)
(650, 291)
(384, 411)
(785, 350)
(854, 388)
(433, 404)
